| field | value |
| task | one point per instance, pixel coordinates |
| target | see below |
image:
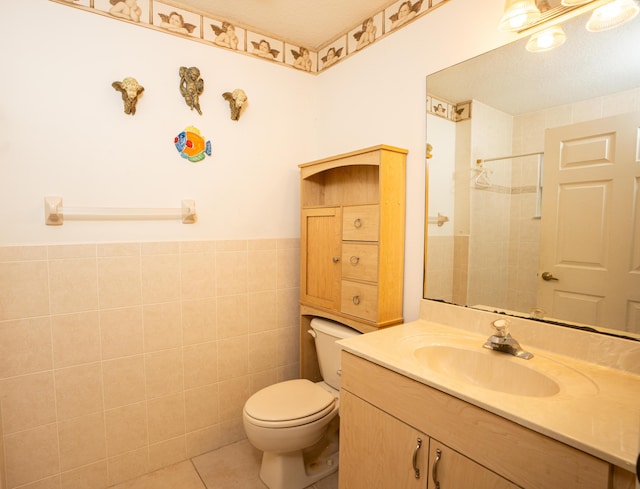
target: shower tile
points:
(233, 394)
(82, 441)
(25, 347)
(119, 281)
(25, 290)
(162, 326)
(76, 339)
(161, 248)
(73, 285)
(232, 245)
(197, 247)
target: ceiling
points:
(310, 23)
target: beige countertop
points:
(596, 410)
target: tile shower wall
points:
(119, 359)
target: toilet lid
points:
(289, 403)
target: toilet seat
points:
(287, 404)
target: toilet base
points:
(301, 468)
(289, 470)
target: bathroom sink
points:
(490, 370)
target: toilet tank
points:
(326, 333)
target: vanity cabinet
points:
(382, 414)
(391, 453)
(352, 236)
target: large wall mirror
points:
(506, 229)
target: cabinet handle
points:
(416, 469)
(356, 299)
(357, 223)
(354, 260)
(336, 259)
(434, 470)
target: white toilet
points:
(286, 420)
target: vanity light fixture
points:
(546, 40)
(518, 13)
(574, 3)
(612, 15)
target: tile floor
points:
(235, 466)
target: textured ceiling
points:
(310, 23)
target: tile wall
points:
(119, 359)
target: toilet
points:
(291, 422)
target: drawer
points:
(360, 300)
(360, 261)
(360, 222)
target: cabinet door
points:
(320, 256)
(451, 470)
(377, 451)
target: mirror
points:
(484, 222)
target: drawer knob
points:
(356, 299)
(336, 259)
(357, 223)
(354, 260)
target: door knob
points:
(547, 276)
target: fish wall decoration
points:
(191, 145)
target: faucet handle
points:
(501, 326)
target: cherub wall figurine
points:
(191, 86)
(237, 100)
(130, 90)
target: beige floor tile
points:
(235, 466)
(182, 475)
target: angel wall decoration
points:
(174, 22)
(130, 90)
(406, 12)
(191, 87)
(237, 101)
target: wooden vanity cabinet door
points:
(452, 470)
(377, 451)
(321, 260)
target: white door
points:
(590, 232)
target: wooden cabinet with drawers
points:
(352, 241)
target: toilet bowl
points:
(289, 421)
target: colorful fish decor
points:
(191, 145)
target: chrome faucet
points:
(504, 342)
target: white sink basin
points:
(491, 370)
(465, 360)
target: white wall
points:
(65, 133)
